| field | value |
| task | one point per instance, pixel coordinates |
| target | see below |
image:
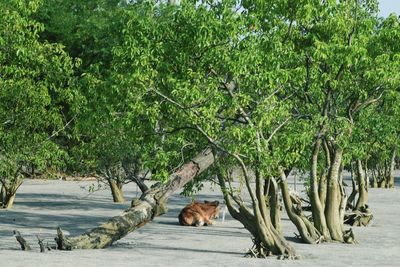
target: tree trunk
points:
(374, 182)
(267, 239)
(316, 206)
(362, 187)
(8, 193)
(354, 191)
(322, 189)
(275, 207)
(309, 234)
(9, 200)
(333, 199)
(390, 177)
(116, 191)
(2, 196)
(150, 204)
(361, 214)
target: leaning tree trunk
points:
(116, 191)
(143, 210)
(309, 234)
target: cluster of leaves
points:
(36, 88)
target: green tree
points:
(35, 89)
(343, 74)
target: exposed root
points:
(320, 240)
(349, 238)
(361, 217)
(259, 251)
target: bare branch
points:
(277, 129)
(63, 128)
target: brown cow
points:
(199, 214)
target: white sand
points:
(41, 206)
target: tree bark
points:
(322, 187)
(2, 196)
(362, 187)
(333, 199)
(316, 205)
(9, 200)
(390, 177)
(354, 191)
(374, 182)
(309, 234)
(9, 192)
(267, 239)
(275, 207)
(143, 210)
(116, 191)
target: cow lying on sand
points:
(199, 214)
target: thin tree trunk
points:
(343, 198)
(2, 196)
(390, 176)
(361, 214)
(116, 191)
(354, 191)
(333, 199)
(362, 187)
(374, 183)
(275, 207)
(322, 187)
(143, 210)
(316, 206)
(309, 234)
(367, 177)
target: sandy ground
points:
(41, 206)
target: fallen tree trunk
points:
(143, 210)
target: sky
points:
(389, 6)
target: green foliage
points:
(159, 82)
(35, 91)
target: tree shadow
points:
(149, 246)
